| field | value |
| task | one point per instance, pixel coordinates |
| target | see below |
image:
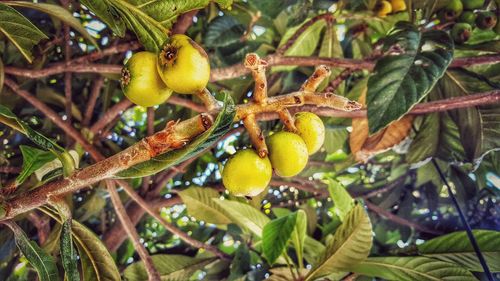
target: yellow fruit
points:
(288, 153)
(140, 81)
(311, 129)
(183, 65)
(398, 5)
(383, 8)
(246, 174)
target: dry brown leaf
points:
(363, 147)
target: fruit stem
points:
(287, 120)
(208, 100)
(256, 135)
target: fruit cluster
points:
(246, 173)
(383, 8)
(182, 66)
(464, 15)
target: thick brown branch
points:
(79, 66)
(10, 170)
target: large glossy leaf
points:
(19, 30)
(68, 252)
(170, 267)
(57, 12)
(221, 125)
(244, 215)
(275, 236)
(456, 248)
(350, 245)
(401, 81)
(43, 263)
(33, 159)
(97, 263)
(330, 48)
(149, 20)
(10, 119)
(438, 136)
(482, 123)
(223, 31)
(199, 204)
(411, 268)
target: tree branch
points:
(79, 66)
(153, 274)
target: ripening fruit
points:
(461, 32)
(486, 20)
(183, 65)
(140, 81)
(472, 4)
(311, 129)
(468, 17)
(288, 153)
(383, 8)
(398, 5)
(451, 11)
(246, 174)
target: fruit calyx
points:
(125, 79)
(168, 54)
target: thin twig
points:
(153, 274)
(171, 228)
(110, 114)
(94, 94)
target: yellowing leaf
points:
(364, 146)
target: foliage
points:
(369, 203)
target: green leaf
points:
(43, 263)
(223, 31)
(350, 245)
(33, 159)
(331, 48)
(304, 45)
(275, 236)
(68, 252)
(221, 125)
(170, 267)
(411, 268)
(299, 235)
(2, 76)
(438, 136)
(57, 12)
(240, 264)
(401, 81)
(244, 215)
(97, 262)
(11, 120)
(108, 14)
(456, 248)
(342, 200)
(19, 30)
(149, 20)
(335, 138)
(199, 204)
(482, 123)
